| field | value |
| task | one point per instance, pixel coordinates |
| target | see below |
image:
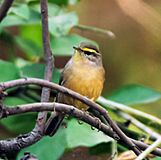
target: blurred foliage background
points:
(132, 62)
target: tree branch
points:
(37, 133)
(40, 123)
(127, 109)
(140, 125)
(143, 146)
(83, 99)
(18, 143)
(149, 149)
(23, 141)
(4, 8)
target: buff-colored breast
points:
(85, 79)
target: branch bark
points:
(4, 8)
(18, 143)
(83, 99)
(96, 30)
(137, 123)
(37, 133)
(127, 109)
(40, 123)
(149, 149)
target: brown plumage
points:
(84, 73)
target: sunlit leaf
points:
(135, 94)
(63, 46)
(28, 31)
(61, 24)
(8, 71)
(84, 135)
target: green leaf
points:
(110, 148)
(83, 135)
(61, 24)
(63, 46)
(59, 2)
(12, 20)
(73, 136)
(8, 71)
(64, 2)
(53, 9)
(22, 11)
(30, 48)
(37, 71)
(27, 32)
(157, 158)
(19, 124)
(48, 147)
(11, 101)
(135, 94)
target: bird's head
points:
(88, 52)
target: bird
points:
(84, 73)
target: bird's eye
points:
(89, 53)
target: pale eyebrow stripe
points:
(89, 50)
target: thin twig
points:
(140, 125)
(49, 64)
(149, 149)
(4, 8)
(7, 145)
(127, 109)
(96, 30)
(83, 99)
(123, 136)
(143, 146)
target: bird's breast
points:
(88, 81)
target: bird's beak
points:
(77, 48)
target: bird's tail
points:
(53, 124)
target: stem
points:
(122, 135)
(18, 143)
(124, 108)
(96, 30)
(151, 148)
(140, 125)
(48, 67)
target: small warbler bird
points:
(84, 73)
